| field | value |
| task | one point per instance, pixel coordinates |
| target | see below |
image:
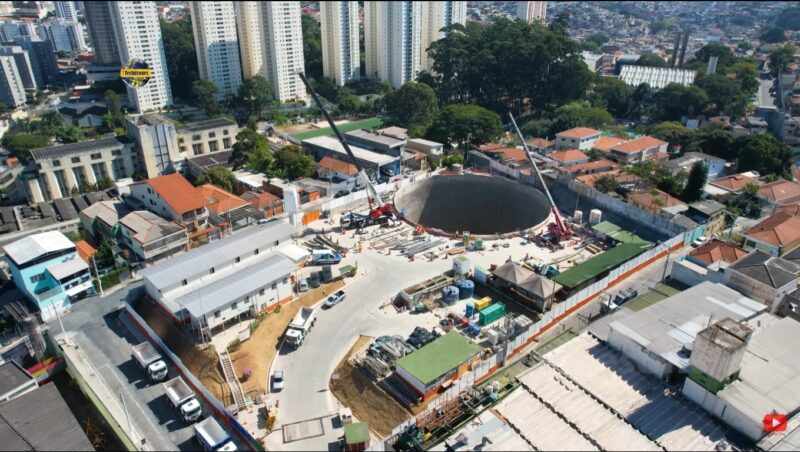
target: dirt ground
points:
(258, 352)
(204, 364)
(368, 402)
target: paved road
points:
(308, 369)
(104, 338)
(765, 98)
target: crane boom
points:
(563, 229)
(372, 193)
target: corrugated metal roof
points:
(68, 268)
(199, 260)
(33, 246)
(208, 299)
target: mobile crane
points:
(558, 229)
(380, 212)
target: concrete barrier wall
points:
(218, 408)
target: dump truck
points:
(150, 361)
(183, 399)
(300, 326)
(212, 436)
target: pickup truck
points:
(300, 326)
(183, 399)
(150, 361)
(212, 436)
(334, 299)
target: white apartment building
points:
(439, 15)
(138, 35)
(283, 49)
(251, 37)
(340, 47)
(217, 46)
(66, 10)
(393, 40)
(101, 33)
(12, 90)
(530, 11)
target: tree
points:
(718, 50)
(695, 183)
(580, 114)
(612, 94)
(180, 56)
(763, 153)
(773, 35)
(327, 88)
(675, 101)
(780, 58)
(651, 59)
(671, 132)
(350, 104)
(219, 176)
(465, 124)
(453, 159)
(248, 142)
(292, 163)
(537, 128)
(312, 46)
(642, 101)
(412, 106)
(724, 93)
(204, 93)
(69, 134)
(20, 144)
(255, 94)
(104, 183)
(606, 184)
(261, 160)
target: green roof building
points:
(430, 366)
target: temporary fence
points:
(218, 408)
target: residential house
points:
(174, 198)
(706, 263)
(581, 138)
(605, 143)
(780, 192)
(776, 235)
(100, 219)
(568, 157)
(201, 164)
(541, 145)
(640, 149)
(61, 170)
(226, 210)
(715, 165)
(271, 205)
(597, 166)
(524, 283)
(215, 286)
(46, 268)
(625, 180)
(427, 147)
(735, 183)
(333, 169)
(150, 237)
(764, 277)
(84, 114)
(654, 200)
(709, 213)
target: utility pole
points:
(97, 274)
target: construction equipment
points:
(379, 211)
(559, 230)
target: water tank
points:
(466, 288)
(577, 217)
(450, 294)
(595, 216)
(462, 266)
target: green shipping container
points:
(491, 313)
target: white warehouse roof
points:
(34, 246)
(333, 144)
(656, 77)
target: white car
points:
(334, 299)
(277, 380)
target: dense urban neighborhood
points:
(399, 226)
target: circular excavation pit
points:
(481, 205)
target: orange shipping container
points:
(309, 217)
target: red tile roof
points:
(638, 145)
(604, 144)
(338, 166)
(735, 182)
(779, 229)
(514, 154)
(490, 147)
(597, 165)
(540, 143)
(177, 192)
(219, 201)
(717, 250)
(568, 155)
(85, 250)
(578, 132)
(780, 192)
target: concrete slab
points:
(303, 430)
